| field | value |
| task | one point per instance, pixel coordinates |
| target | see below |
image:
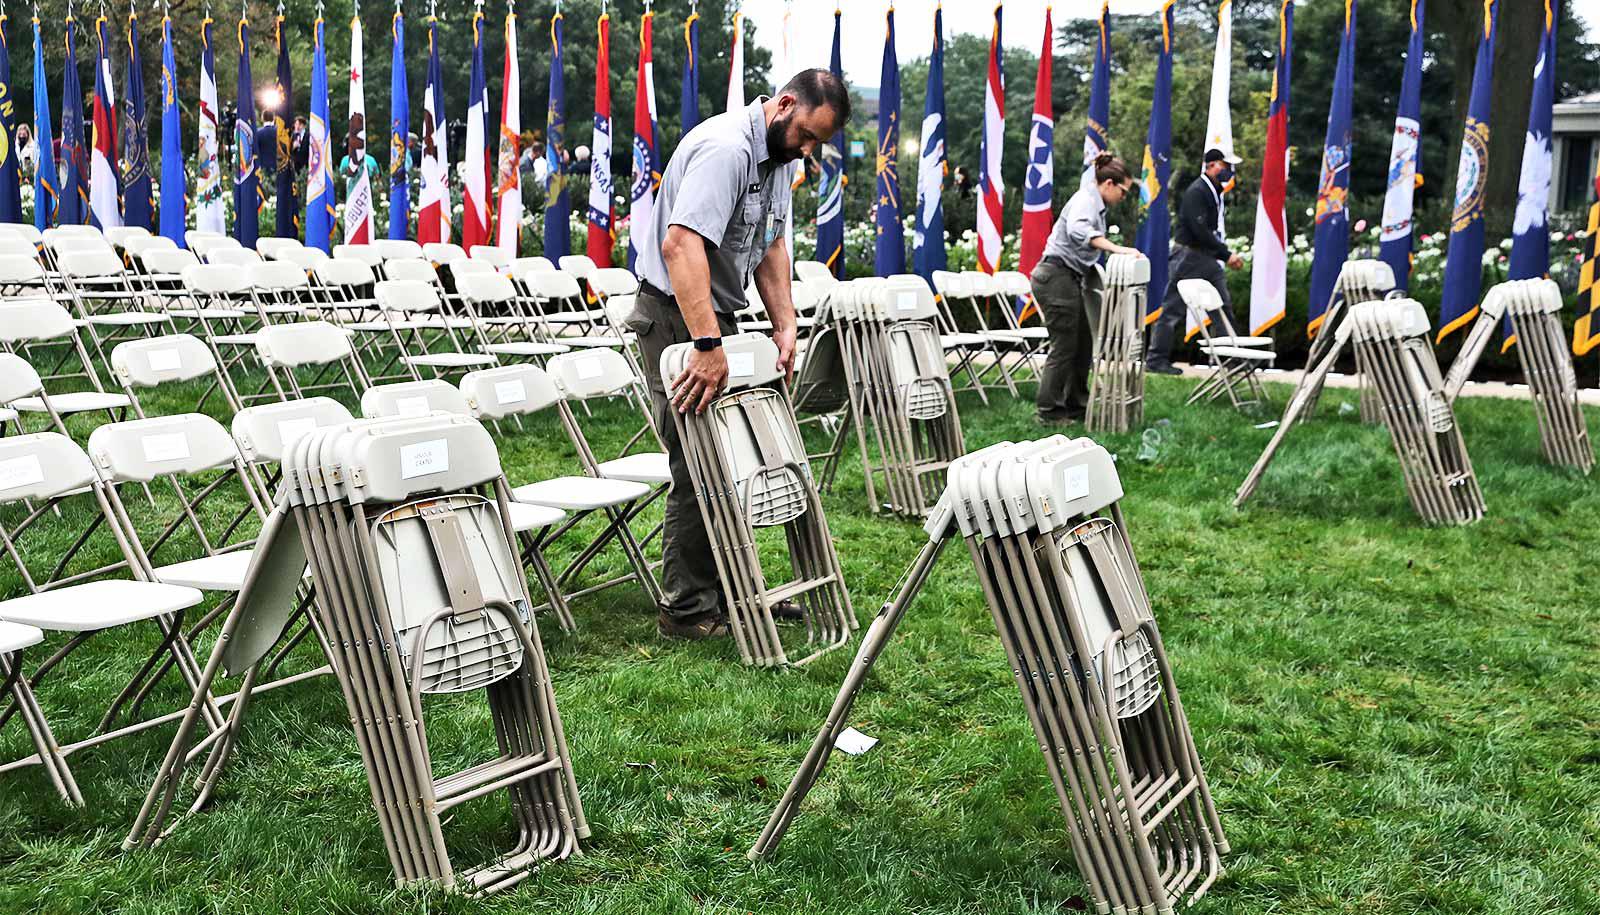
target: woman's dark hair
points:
(1108, 167)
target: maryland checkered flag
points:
(1586, 333)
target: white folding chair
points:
(308, 346)
(43, 330)
(173, 359)
(508, 329)
(493, 255)
(1235, 362)
(423, 333)
(272, 248)
(443, 253)
(367, 254)
(815, 272)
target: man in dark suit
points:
(1198, 252)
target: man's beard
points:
(776, 150)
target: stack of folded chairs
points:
(1362, 280)
(419, 592)
(1116, 394)
(907, 426)
(1048, 540)
(750, 471)
(1532, 310)
(1391, 341)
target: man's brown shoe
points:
(709, 626)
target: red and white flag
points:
(991, 190)
(600, 182)
(736, 69)
(105, 191)
(1038, 183)
(508, 186)
(1269, 268)
(358, 200)
(434, 223)
(475, 183)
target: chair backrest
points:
(522, 266)
(342, 271)
(815, 272)
(155, 361)
(413, 398)
(619, 308)
(367, 253)
(23, 231)
(215, 279)
(303, 257)
(17, 378)
(397, 249)
(1199, 296)
(415, 270)
(406, 295)
(595, 372)
(493, 255)
(614, 281)
(579, 265)
(72, 230)
(271, 246)
(233, 257)
(204, 244)
(203, 236)
(264, 432)
(277, 276)
(26, 320)
(20, 268)
(41, 466)
(509, 390)
(552, 284)
(479, 288)
(950, 285)
(302, 343)
(443, 252)
(88, 263)
(139, 450)
(470, 267)
(16, 244)
(119, 235)
(138, 246)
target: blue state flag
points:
(75, 155)
(1155, 232)
(1463, 264)
(830, 192)
(246, 174)
(891, 238)
(173, 179)
(928, 243)
(319, 155)
(1530, 230)
(1095, 126)
(138, 197)
(286, 215)
(1396, 237)
(689, 102)
(399, 133)
(1330, 243)
(558, 205)
(10, 183)
(46, 195)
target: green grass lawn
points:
(1393, 719)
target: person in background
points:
(299, 145)
(27, 152)
(1067, 288)
(1198, 252)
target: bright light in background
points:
(912, 147)
(270, 98)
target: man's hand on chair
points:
(1235, 261)
(701, 381)
(785, 339)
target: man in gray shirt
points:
(718, 222)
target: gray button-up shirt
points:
(1082, 220)
(721, 185)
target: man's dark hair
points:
(816, 87)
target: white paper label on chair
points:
(22, 471)
(165, 360)
(741, 365)
(423, 458)
(171, 446)
(590, 369)
(854, 742)
(906, 301)
(411, 406)
(513, 391)
(291, 429)
(1076, 483)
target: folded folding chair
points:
(822, 397)
(173, 359)
(46, 337)
(1048, 541)
(265, 431)
(1360, 280)
(1531, 313)
(321, 349)
(1236, 362)
(750, 471)
(1392, 335)
(1116, 387)
(404, 523)
(518, 392)
(97, 584)
(904, 411)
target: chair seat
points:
(234, 339)
(74, 402)
(451, 360)
(283, 309)
(15, 637)
(1021, 333)
(1242, 341)
(647, 467)
(580, 493)
(128, 319)
(950, 341)
(98, 605)
(592, 342)
(210, 314)
(380, 327)
(526, 516)
(575, 317)
(526, 348)
(7, 415)
(1238, 352)
(223, 572)
(764, 326)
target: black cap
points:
(1215, 155)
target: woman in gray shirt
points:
(1066, 287)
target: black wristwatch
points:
(706, 344)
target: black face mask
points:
(1225, 175)
(776, 150)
